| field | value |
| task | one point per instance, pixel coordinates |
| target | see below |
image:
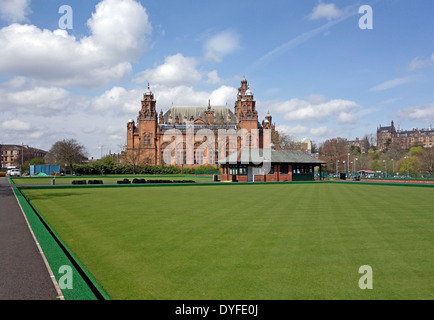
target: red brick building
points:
(177, 136)
(263, 165)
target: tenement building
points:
(15, 155)
(195, 135)
(404, 138)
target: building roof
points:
(220, 113)
(258, 156)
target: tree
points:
(33, 162)
(334, 151)
(408, 165)
(416, 151)
(395, 152)
(66, 152)
(365, 144)
(282, 140)
(427, 161)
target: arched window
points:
(147, 139)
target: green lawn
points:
(257, 241)
(105, 179)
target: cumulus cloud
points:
(128, 102)
(118, 99)
(187, 96)
(213, 77)
(14, 10)
(328, 11)
(315, 109)
(16, 125)
(220, 45)
(175, 70)
(118, 37)
(422, 113)
(292, 130)
(36, 100)
(323, 131)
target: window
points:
(166, 156)
(284, 169)
(212, 157)
(198, 157)
(147, 140)
(180, 157)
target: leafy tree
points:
(66, 152)
(375, 166)
(355, 150)
(415, 151)
(408, 165)
(32, 162)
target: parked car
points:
(15, 173)
(9, 169)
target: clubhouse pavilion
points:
(262, 165)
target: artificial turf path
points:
(249, 241)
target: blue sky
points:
(307, 62)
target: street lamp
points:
(393, 167)
(355, 165)
(408, 173)
(348, 163)
(344, 165)
(337, 162)
(385, 168)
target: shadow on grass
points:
(46, 196)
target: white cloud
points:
(328, 11)
(37, 100)
(118, 37)
(36, 134)
(392, 83)
(292, 130)
(175, 70)
(422, 113)
(14, 10)
(16, 125)
(316, 99)
(346, 118)
(15, 83)
(187, 96)
(220, 45)
(302, 38)
(418, 63)
(213, 77)
(118, 99)
(223, 95)
(127, 102)
(120, 27)
(323, 131)
(315, 108)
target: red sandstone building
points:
(163, 138)
(236, 141)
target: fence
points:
(382, 176)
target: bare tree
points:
(334, 152)
(427, 160)
(282, 140)
(66, 152)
